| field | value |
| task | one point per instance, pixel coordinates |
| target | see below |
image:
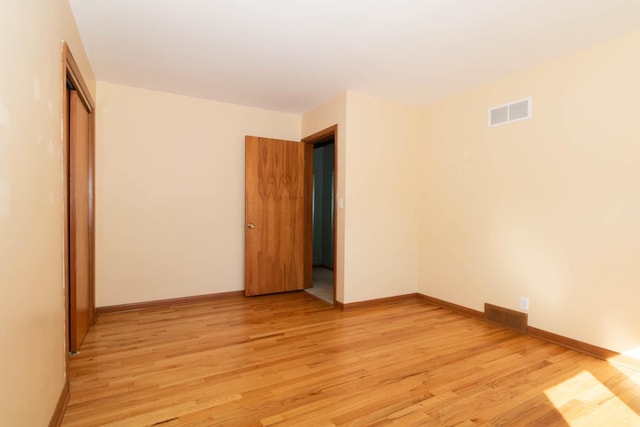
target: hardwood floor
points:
(289, 359)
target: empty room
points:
(320, 213)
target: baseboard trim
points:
(169, 302)
(61, 407)
(573, 344)
(582, 347)
(374, 302)
(453, 307)
(570, 343)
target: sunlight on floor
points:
(629, 364)
(584, 401)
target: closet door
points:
(79, 222)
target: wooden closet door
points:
(79, 222)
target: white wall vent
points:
(511, 112)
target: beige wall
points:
(170, 192)
(333, 112)
(32, 326)
(547, 208)
(377, 245)
(381, 204)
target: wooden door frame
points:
(319, 138)
(71, 72)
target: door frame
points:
(318, 138)
(71, 73)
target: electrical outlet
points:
(524, 303)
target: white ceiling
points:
(291, 55)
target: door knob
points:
(251, 226)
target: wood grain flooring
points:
(290, 359)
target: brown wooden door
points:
(79, 223)
(277, 215)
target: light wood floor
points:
(289, 359)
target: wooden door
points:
(277, 215)
(79, 222)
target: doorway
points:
(279, 210)
(323, 214)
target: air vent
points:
(505, 317)
(511, 112)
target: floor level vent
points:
(505, 317)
